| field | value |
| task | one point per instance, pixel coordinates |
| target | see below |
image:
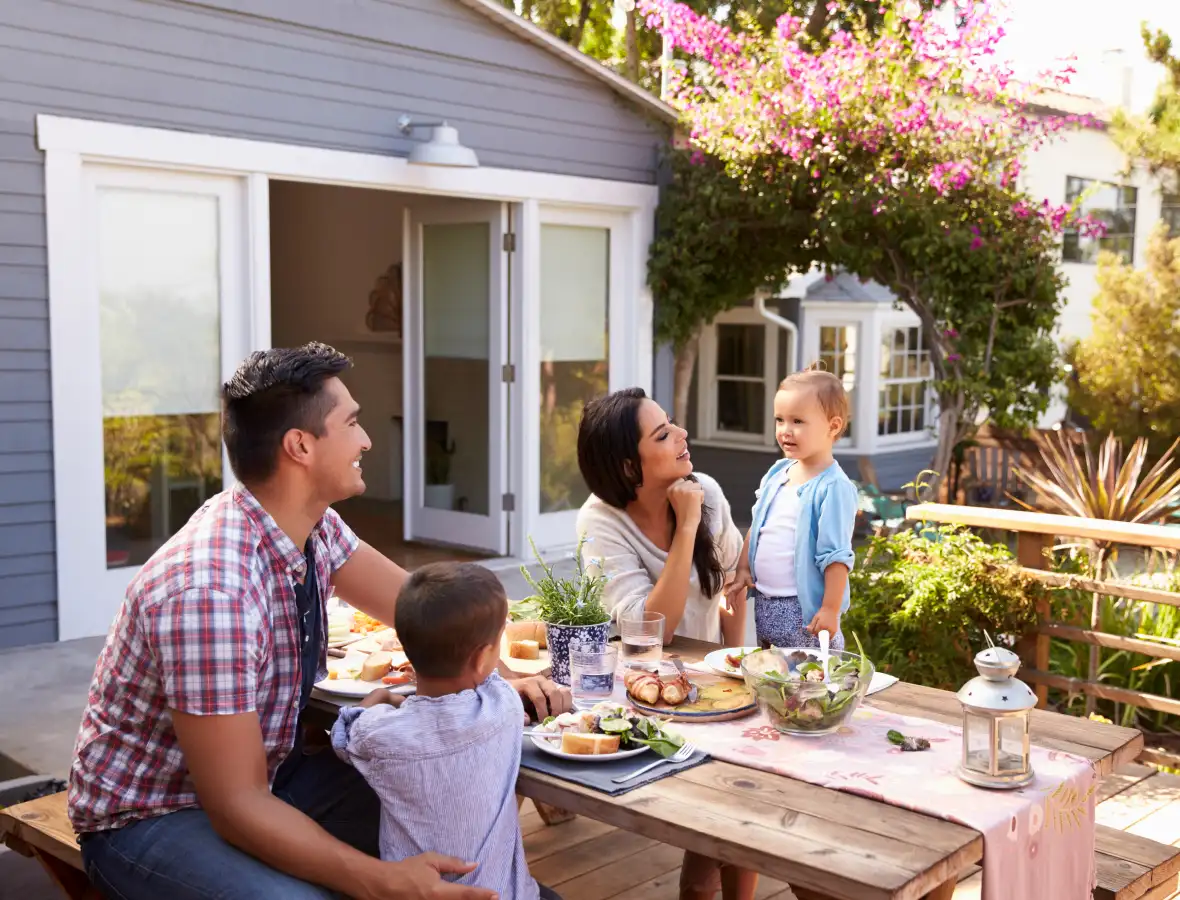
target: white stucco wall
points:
(1087, 153)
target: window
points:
(741, 379)
(1170, 213)
(837, 353)
(1110, 203)
(905, 381)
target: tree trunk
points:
(949, 431)
(575, 39)
(686, 360)
(632, 64)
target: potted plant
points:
(439, 492)
(571, 609)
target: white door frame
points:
(465, 529)
(629, 364)
(71, 144)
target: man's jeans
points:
(179, 856)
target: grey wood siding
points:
(324, 73)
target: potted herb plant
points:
(439, 492)
(571, 609)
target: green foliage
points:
(567, 601)
(1118, 668)
(925, 601)
(1154, 139)
(1128, 368)
(718, 239)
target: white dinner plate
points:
(553, 748)
(353, 687)
(716, 661)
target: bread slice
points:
(524, 650)
(377, 666)
(589, 744)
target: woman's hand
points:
(687, 499)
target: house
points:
(879, 350)
(184, 181)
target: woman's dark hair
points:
(608, 456)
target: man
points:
(190, 776)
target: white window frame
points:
(909, 438)
(707, 430)
(72, 145)
(812, 354)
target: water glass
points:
(592, 674)
(642, 637)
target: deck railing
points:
(1034, 533)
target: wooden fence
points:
(1035, 532)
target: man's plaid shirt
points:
(208, 627)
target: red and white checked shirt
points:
(209, 626)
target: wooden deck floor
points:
(586, 860)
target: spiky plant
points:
(1071, 479)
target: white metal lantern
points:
(996, 708)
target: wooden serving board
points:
(716, 696)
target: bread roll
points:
(524, 650)
(377, 665)
(526, 631)
(589, 744)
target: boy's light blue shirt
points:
(823, 535)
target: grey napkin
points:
(598, 775)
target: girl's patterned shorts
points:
(778, 622)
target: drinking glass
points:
(592, 674)
(642, 637)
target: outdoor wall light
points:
(443, 148)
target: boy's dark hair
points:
(445, 612)
(272, 392)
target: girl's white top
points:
(776, 546)
(633, 564)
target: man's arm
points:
(370, 581)
(226, 759)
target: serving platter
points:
(719, 699)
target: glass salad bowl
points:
(790, 687)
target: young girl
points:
(798, 552)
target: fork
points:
(680, 755)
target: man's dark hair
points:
(445, 612)
(272, 392)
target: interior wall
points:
(329, 246)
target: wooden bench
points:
(1129, 867)
(41, 829)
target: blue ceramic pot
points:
(563, 638)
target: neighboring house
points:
(880, 351)
(183, 181)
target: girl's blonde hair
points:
(828, 390)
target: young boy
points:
(444, 762)
(798, 551)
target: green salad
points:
(634, 730)
(792, 688)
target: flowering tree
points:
(903, 147)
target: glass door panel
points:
(575, 353)
(160, 344)
(456, 398)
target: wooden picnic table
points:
(825, 843)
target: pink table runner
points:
(1038, 841)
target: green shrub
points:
(924, 601)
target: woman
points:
(667, 542)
